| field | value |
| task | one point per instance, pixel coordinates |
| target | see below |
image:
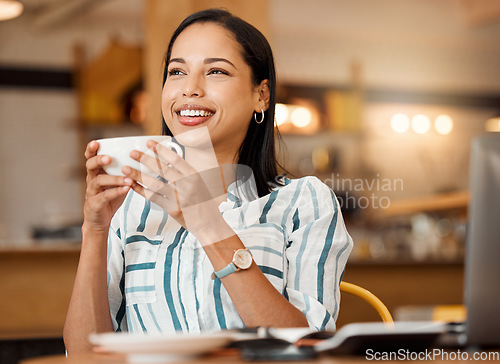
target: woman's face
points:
(209, 84)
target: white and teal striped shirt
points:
(159, 277)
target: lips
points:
(192, 115)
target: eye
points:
(175, 72)
(217, 71)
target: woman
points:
(190, 251)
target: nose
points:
(193, 86)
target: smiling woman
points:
(198, 82)
(249, 56)
(219, 240)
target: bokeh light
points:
(420, 124)
(301, 117)
(400, 123)
(493, 124)
(443, 124)
(280, 114)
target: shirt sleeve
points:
(317, 252)
(116, 278)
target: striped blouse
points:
(159, 277)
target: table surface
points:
(219, 358)
(232, 357)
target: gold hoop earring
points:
(261, 118)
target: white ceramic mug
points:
(119, 150)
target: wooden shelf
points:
(442, 202)
(68, 246)
(404, 262)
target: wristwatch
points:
(242, 259)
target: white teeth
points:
(195, 113)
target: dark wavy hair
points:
(258, 148)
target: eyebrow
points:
(213, 60)
(206, 61)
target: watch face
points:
(242, 258)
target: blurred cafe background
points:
(380, 99)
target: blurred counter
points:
(36, 283)
(400, 284)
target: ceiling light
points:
(443, 124)
(400, 123)
(301, 117)
(420, 124)
(10, 9)
(493, 124)
(280, 114)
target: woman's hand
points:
(104, 193)
(190, 196)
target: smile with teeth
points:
(202, 113)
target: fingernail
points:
(128, 181)
(126, 170)
(134, 154)
(106, 159)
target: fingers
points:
(171, 157)
(91, 149)
(105, 193)
(154, 184)
(104, 182)
(95, 163)
(99, 201)
(160, 198)
(156, 166)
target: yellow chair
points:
(370, 298)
